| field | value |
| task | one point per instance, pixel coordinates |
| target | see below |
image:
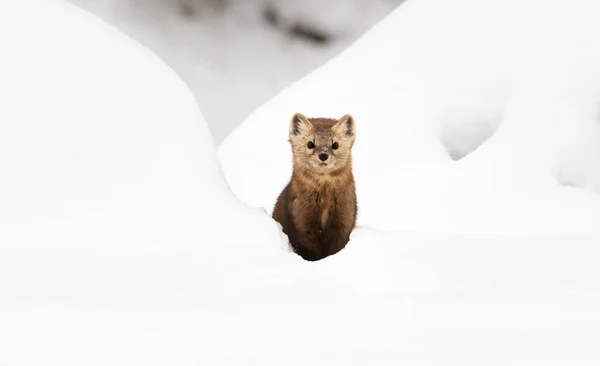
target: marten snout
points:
(323, 156)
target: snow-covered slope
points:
(89, 138)
(427, 86)
(387, 299)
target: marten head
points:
(321, 145)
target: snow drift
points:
(474, 116)
(97, 132)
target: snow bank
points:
(474, 116)
(112, 200)
(98, 134)
(387, 298)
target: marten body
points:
(317, 209)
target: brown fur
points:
(317, 209)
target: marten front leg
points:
(335, 237)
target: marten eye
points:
(335, 146)
(311, 145)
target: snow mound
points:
(98, 134)
(521, 300)
(463, 123)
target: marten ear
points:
(299, 124)
(345, 125)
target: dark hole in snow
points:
(187, 10)
(308, 33)
(567, 181)
(297, 30)
(271, 17)
(194, 8)
(460, 142)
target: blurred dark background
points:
(236, 54)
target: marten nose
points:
(323, 157)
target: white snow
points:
(120, 243)
(430, 84)
(98, 132)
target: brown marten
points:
(317, 209)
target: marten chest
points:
(319, 208)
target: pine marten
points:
(317, 209)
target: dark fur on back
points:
(317, 209)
